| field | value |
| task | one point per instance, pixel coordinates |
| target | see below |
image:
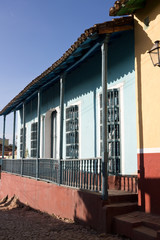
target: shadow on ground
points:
(20, 221)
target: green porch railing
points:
(78, 173)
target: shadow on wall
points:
(84, 79)
(120, 55)
(90, 210)
(30, 110)
(151, 195)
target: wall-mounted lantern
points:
(155, 53)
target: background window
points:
(21, 141)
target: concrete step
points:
(122, 197)
(116, 209)
(143, 232)
(151, 223)
(122, 208)
(137, 226)
(124, 224)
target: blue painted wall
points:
(121, 71)
(83, 86)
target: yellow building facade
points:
(146, 15)
(147, 23)
(147, 78)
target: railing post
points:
(21, 166)
(93, 174)
(13, 147)
(90, 174)
(79, 177)
(100, 169)
(38, 133)
(104, 50)
(62, 80)
(96, 166)
(24, 133)
(81, 169)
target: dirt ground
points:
(20, 222)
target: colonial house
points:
(8, 150)
(75, 117)
(6, 142)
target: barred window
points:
(54, 134)
(72, 132)
(21, 141)
(113, 130)
(34, 139)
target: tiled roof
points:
(116, 25)
(126, 7)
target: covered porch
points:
(85, 173)
(91, 190)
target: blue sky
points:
(36, 33)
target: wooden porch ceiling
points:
(80, 50)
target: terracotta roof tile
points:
(126, 7)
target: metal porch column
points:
(62, 79)
(14, 129)
(23, 138)
(38, 133)
(104, 50)
(23, 152)
(4, 129)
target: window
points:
(42, 137)
(72, 132)
(113, 130)
(54, 134)
(34, 139)
(21, 141)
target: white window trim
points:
(27, 153)
(33, 121)
(42, 137)
(28, 126)
(121, 99)
(47, 132)
(78, 103)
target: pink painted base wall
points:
(149, 182)
(66, 202)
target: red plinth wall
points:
(149, 182)
(62, 201)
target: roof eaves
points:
(126, 7)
